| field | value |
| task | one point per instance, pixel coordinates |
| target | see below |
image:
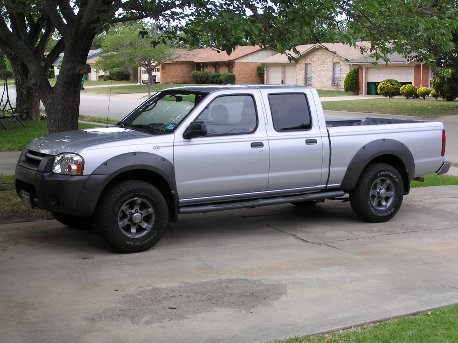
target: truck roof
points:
(214, 88)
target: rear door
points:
(295, 142)
(232, 160)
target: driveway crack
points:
(303, 240)
(392, 234)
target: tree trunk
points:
(27, 96)
(63, 100)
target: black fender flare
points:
(138, 161)
(373, 150)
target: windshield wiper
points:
(147, 128)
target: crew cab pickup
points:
(202, 149)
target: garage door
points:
(290, 75)
(274, 75)
(380, 73)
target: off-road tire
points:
(74, 222)
(378, 194)
(132, 216)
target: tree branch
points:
(66, 10)
(43, 42)
(54, 16)
(54, 53)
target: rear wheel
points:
(74, 222)
(378, 194)
(132, 216)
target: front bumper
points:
(444, 168)
(76, 195)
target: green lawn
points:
(134, 88)
(18, 137)
(432, 326)
(420, 107)
(332, 93)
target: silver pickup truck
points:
(202, 149)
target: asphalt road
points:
(235, 276)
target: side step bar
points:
(258, 202)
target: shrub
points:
(446, 87)
(206, 77)
(103, 77)
(389, 88)
(118, 75)
(434, 94)
(228, 78)
(423, 92)
(351, 82)
(260, 71)
(409, 91)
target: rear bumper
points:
(444, 168)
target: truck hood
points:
(75, 141)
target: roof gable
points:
(207, 55)
(345, 51)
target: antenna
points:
(109, 100)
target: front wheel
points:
(378, 194)
(132, 216)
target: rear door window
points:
(290, 112)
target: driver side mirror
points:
(195, 129)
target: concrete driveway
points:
(235, 276)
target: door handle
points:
(310, 141)
(257, 145)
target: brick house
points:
(325, 66)
(322, 66)
(243, 62)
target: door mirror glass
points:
(195, 129)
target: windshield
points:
(163, 112)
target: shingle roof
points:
(343, 50)
(209, 55)
(393, 58)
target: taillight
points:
(444, 140)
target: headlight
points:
(68, 164)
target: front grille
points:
(34, 158)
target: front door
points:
(231, 160)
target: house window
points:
(217, 67)
(230, 67)
(308, 74)
(336, 74)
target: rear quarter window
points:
(290, 112)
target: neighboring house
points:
(91, 59)
(322, 66)
(372, 72)
(143, 75)
(325, 66)
(243, 62)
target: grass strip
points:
(436, 180)
(134, 88)
(431, 326)
(333, 93)
(99, 120)
(410, 107)
(12, 209)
